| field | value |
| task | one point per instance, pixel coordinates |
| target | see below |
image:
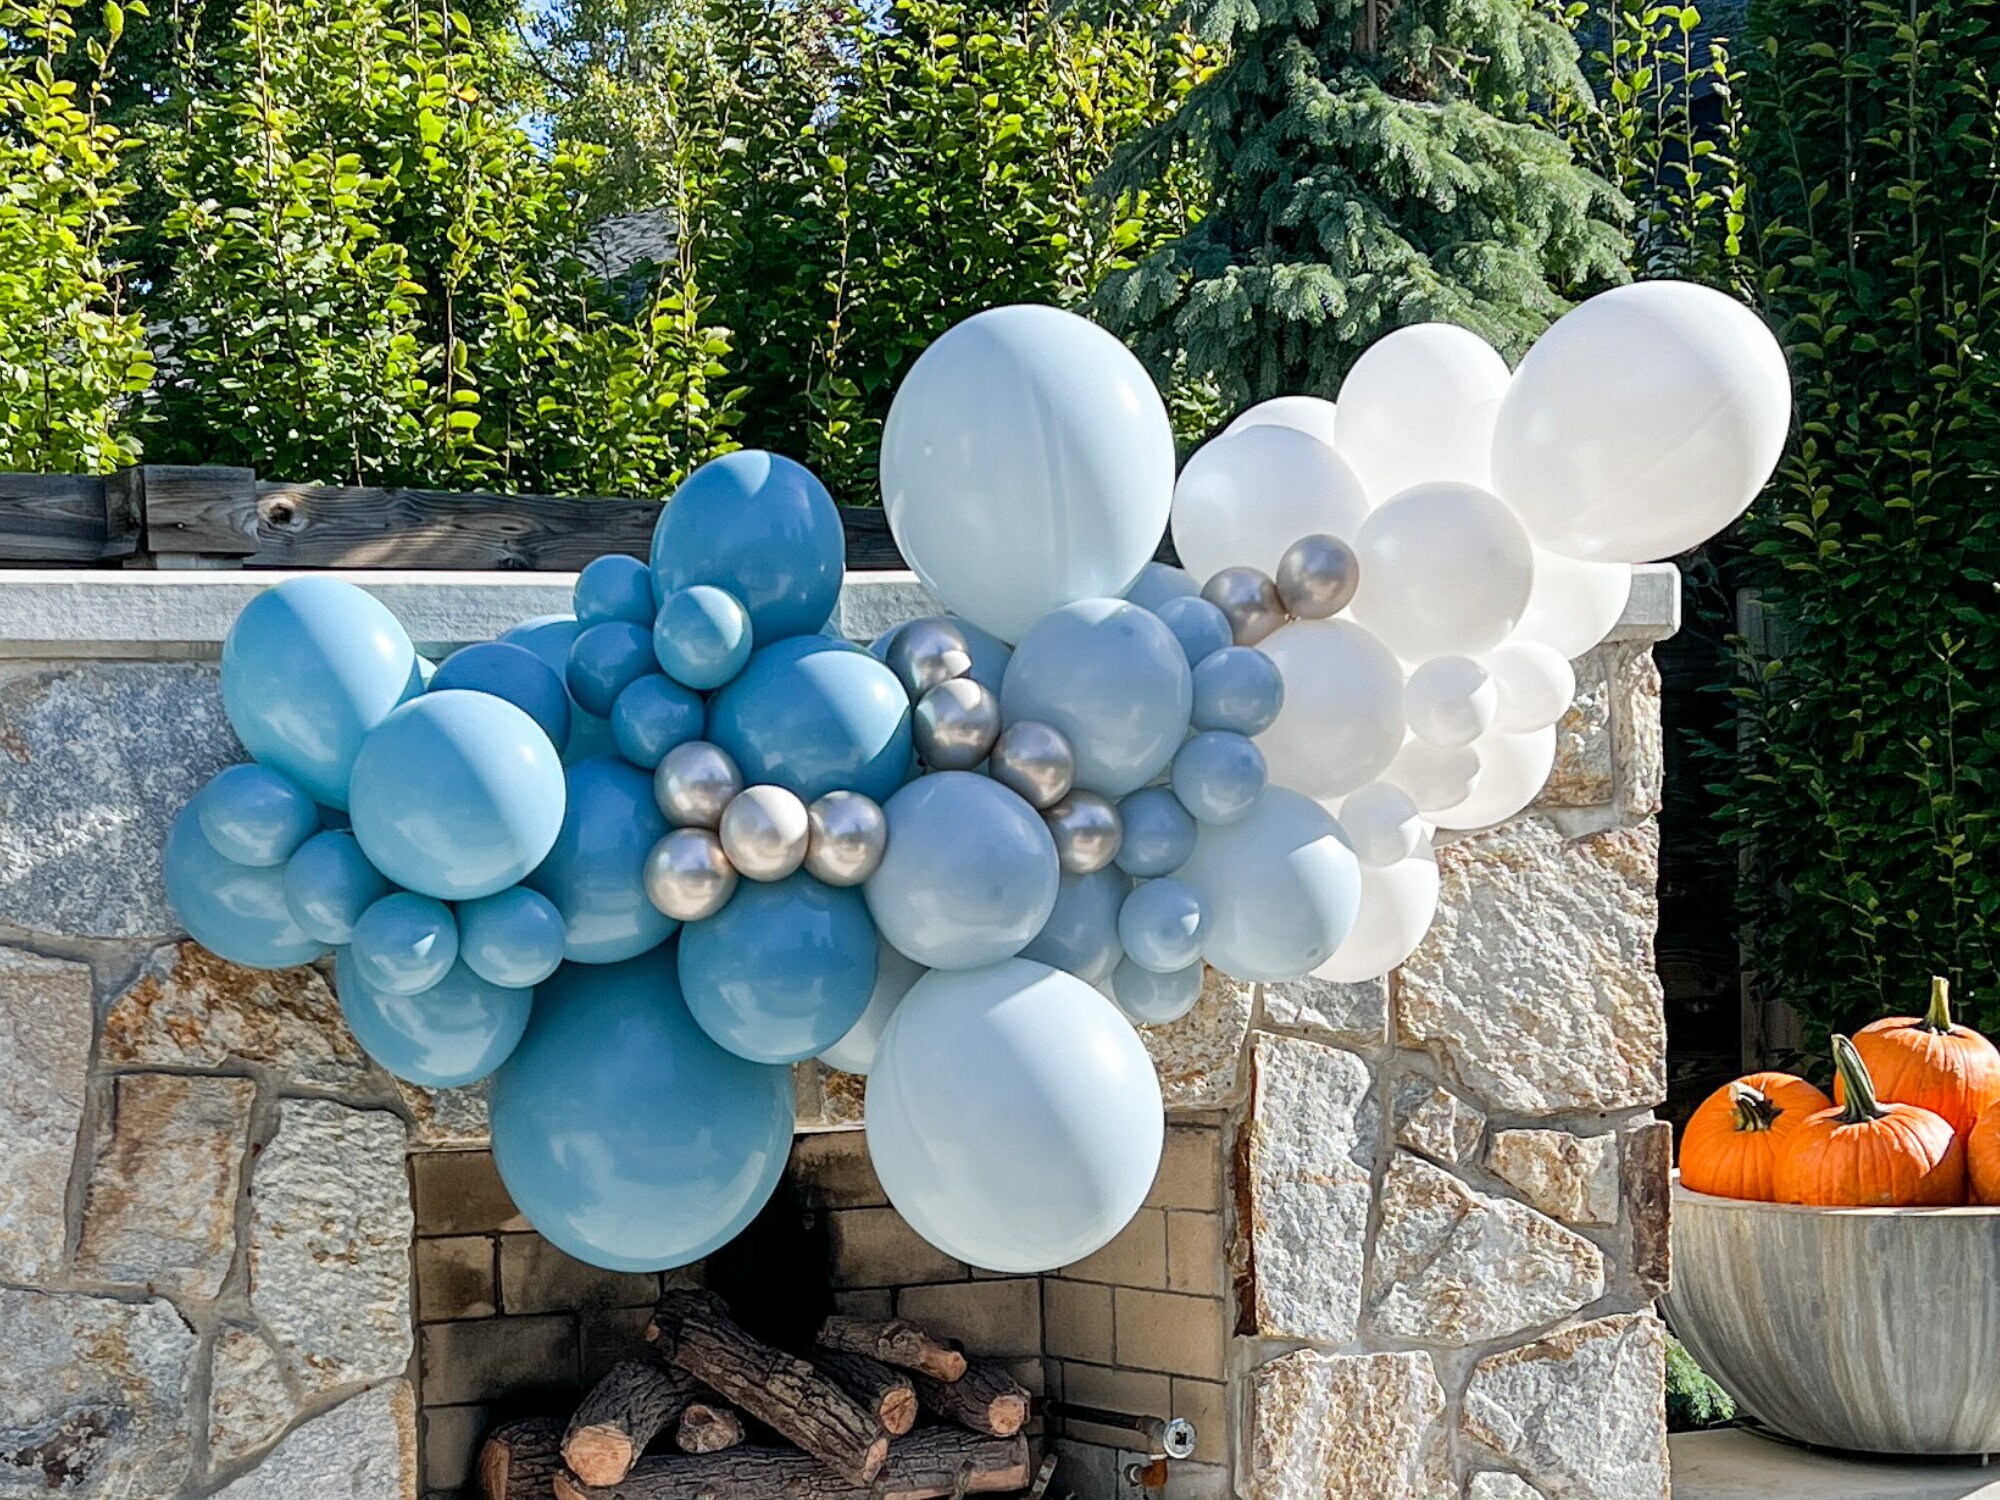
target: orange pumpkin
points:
(1731, 1143)
(1866, 1154)
(1982, 1157)
(1926, 1060)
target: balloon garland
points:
(632, 863)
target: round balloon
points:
(1445, 571)
(1159, 832)
(814, 716)
(894, 974)
(1512, 770)
(1533, 685)
(1239, 688)
(1342, 717)
(513, 938)
(1435, 776)
(1150, 999)
(1158, 582)
(1246, 496)
(614, 587)
(1219, 776)
(1278, 889)
(1418, 406)
(1312, 415)
(237, 912)
(1398, 902)
(1382, 824)
(454, 1033)
(606, 659)
(550, 638)
(628, 1138)
(595, 873)
(652, 716)
(515, 673)
(989, 652)
(1573, 603)
(702, 637)
(404, 943)
(761, 527)
(329, 883)
(1199, 626)
(1160, 926)
(1081, 934)
(254, 815)
(1021, 1042)
(1450, 700)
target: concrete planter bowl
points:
(1868, 1329)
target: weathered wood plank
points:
(62, 518)
(207, 509)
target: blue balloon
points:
(513, 938)
(237, 912)
(1160, 926)
(308, 669)
(457, 795)
(1114, 680)
(765, 529)
(1219, 776)
(1150, 999)
(615, 587)
(990, 654)
(783, 971)
(329, 884)
(652, 716)
(515, 673)
(1199, 626)
(456, 1032)
(1279, 889)
(1157, 583)
(628, 1138)
(815, 716)
(1159, 833)
(1239, 689)
(404, 943)
(1081, 934)
(703, 636)
(605, 660)
(255, 816)
(550, 637)
(595, 874)
(970, 874)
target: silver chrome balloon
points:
(1317, 577)
(688, 876)
(1249, 600)
(694, 783)
(1087, 831)
(846, 835)
(764, 832)
(927, 652)
(1035, 761)
(955, 724)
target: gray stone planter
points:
(1871, 1329)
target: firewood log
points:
(882, 1390)
(520, 1460)
(928, 1465)
(986, 1398)
(707, 1428)
(621, 1416)
(896, 1342)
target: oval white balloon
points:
(1512, 771)
(1312, 415)
(1398, 903)
(1342, 718)
(1535, 685)
(1450, 700)
(1436, 777)
(1419, 405)
(1642, 423)
(1445, 571)
(1246, 496)
(1027, 463)
(1573, 603)
(894, 974)
(1382, 824)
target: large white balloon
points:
(1642, 423)
(1246, 496)
(1382, 824)
(1342, 718)
(1512, 770)
(1027, 463)
(1312, 415)
(1278, 888)
(1450, 700)
(1535, 685)
(1445, 571)
(1038, 1048)
(1397, 904)
(1419, 406)
(894, 974)
(1436, 777)
(1573, 603)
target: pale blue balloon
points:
(457, 795)
(1114, 680)
(1219, 776)
(329, 884)
(237, 912)
(990, 654)
(511, 671)
(513, 938)
(703, 636)
(1160, 926)
(762, 527)
(454, 1033)
(595, 872)
(255, 816)
(970, 874)
(1199, 626)
(550, 637)
(1158, 582)
(606, 659)
(1150, 999)
(1081, 934)
(628, 1138)
(1279, 889)
(783, 971)
(652, 716)
(615, 587)
(815, 716)
(1159, 832)
(404, 943)
(1239, 689)
(894, 974)
(308, 669)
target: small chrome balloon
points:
(694, 783)
(764, 832)
(846, 834)
(688, 876)
(1035, 761)
(1249, 600)
(955, 724)
(1317, 577)
(1087, 831)
(927, 652)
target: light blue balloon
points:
(1239, 689)
(1219, 776)
(237, 912)
(456, 1032)
(255, 816)
(1159, 833)
(1081, 934)
(815, 716)
(513, 938)
(1279, 889)
(990, 654)
(1150, 999)
(457, 795)
(329, 884)
(308, 669)
(1199, 626)
(515, 673)
(894, 974)
(765, 529)
(595, 872)
(1160, 926)
(550, 637)
(615, 587)
(605, 660)
(652, 716)
(970, 874)
(1114, 680)
(629, 1139)
(702, 637)
(404, 943)
(1157, 583)
(783, 971)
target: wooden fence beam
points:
(65, 518)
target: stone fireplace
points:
(1404, 1241)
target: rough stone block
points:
(1637, 752)
(1582, 775)
(45, 1022)
(1569, 1177)
(1195, 1254)
(460, 1192)
(249, 1404)
(536, 1277)
(492, 1358)
(1077, 1318)
(455, 1278)
(1346, 1427)
(1648, 1182)
(363, 1449)
(1197, 1056)
(447, 1119)
(1136, 1256)
(877, 1247)
(1353, 1015)
(1430, 1118)
(826, 1099)
(1190, 1174)
(1493, 1485)
(1166, 1331)
(999, 1319)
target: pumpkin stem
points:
(1938, 1017)
(1858, 1087)
(1754, 1111)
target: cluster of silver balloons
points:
(1316, 579)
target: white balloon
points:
(1382, 824)
(1536, 685)
(1450, 700)
(1021, 1042)
(1574, 603)
(894, 974)
(1246, 496)
(1445, 571)
(1312, 415)
(1419, 406)
(1512, 770)
(1027, 463)
(1397, 904)
(1434, 776)
(1642, 423)
(1342, 718)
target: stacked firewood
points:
(711, 1412)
